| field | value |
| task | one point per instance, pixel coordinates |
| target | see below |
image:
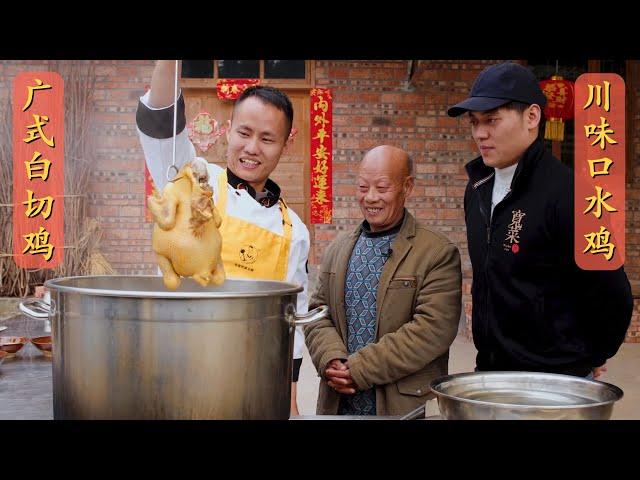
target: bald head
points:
(384, 183)
(388, 158)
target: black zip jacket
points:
(533, 308)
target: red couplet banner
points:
(321, 124)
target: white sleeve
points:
(158, 152)
(301, 277)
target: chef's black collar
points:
(268, 198)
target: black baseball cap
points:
(498, 85)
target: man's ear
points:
(409, 183)
(287, 145)
(533, 116)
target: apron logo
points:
(512, 240)
(248, 254)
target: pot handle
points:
(419, 412)
(39, 309)
(313, 316)
(424, 412)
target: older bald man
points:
(394, 291)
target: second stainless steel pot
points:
(523, 396)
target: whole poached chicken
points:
(185, 237)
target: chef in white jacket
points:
(269, 241)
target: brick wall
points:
(373, 104)
(632, 250)
(117, 188)
(117, 183)
(633, 333)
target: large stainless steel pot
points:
(125, 347)
(523, 396)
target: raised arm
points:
(163, 84)
(154, 119)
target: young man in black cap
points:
(533, 308)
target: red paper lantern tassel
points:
(554, 129)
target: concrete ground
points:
(623, 371)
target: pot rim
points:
(437, 388)
(271, 288)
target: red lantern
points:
(559, 106)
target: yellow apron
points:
(250, 251)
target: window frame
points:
(281, 83)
